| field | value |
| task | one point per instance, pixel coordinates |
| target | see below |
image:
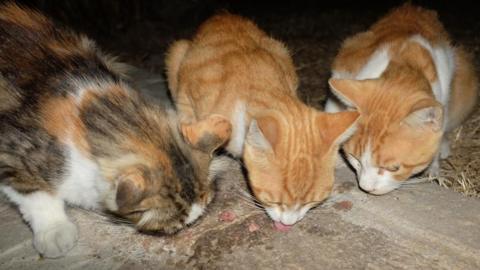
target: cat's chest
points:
(82, 184)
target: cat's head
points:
(169, 187)
(291, 163)
(398, 133)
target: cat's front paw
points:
(56, 240)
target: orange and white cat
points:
(411, 86)
(234, 69)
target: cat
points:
(411, 86)
(73, 130)
(234, 69)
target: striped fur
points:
(234, 69)
(73, 131)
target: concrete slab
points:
(422, 227)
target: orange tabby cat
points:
(234, 69)
(411, 86)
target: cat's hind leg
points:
(54, 234)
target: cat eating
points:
(74, 131)
(232, 68)
(411, 86)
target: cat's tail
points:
(175, 55)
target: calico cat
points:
(234, 69)
(411, 86)
(72, 130)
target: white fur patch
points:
(334, 106)
(287, 217)
(239, 129)
(54, 233)
(375, 66)
(369, 178)
(82, 185)
(195, 212)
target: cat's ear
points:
(336, 128)
(427, 113)
(130, 188)
(263, 133)
(352, 93)
(209, 134)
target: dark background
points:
(139, 28)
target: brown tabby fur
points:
(230, 62)
(398, 143)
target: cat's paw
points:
(208, 134)
(56, 240)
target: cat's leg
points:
(54, 234)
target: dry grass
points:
(461, 171)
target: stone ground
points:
(421, 227)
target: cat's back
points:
(229, 58)
(38, 59)
(393, 30)
(226, 27)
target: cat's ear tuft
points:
(130, 188)
(209, 134)
(427, 113)
(336, 128)
(264, 138)
(352, 93)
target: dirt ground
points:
(141, 31)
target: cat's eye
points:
(392, 168)
(312, 204)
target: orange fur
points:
(59, 119)
(391, 104)
(229, 62)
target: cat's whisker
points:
(250, 203)
(247, 195)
